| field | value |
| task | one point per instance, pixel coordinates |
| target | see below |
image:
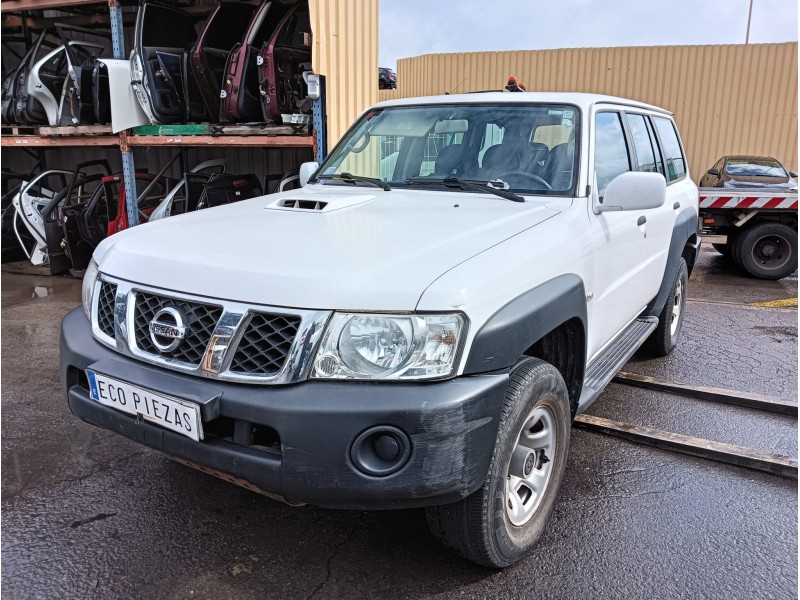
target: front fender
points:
(525, 320)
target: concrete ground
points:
(88, 514)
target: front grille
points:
(265, 344)
(201, 319)
(105, 308)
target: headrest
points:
(447, 159)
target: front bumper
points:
(451, 426)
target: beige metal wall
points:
(726, 99)
(346, 51)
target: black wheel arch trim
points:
(525, 320)
(684, 238)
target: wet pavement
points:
(88, 514)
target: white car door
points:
(29, 203)
(624, 279)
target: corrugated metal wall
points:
(346, 52)
(726, 99)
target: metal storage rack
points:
(53, 137)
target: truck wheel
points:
(665, 337)
(498, 524)
(767, 250)
(724, 249)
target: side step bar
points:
(604, 367)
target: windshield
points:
(755, 167)
(529, 148)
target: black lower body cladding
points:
(450, 428)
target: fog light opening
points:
(380, 451)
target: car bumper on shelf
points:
(359, 445)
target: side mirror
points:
(634, 190)
(713, 172)
(306, 171)
(792, 174)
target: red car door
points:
(282, 89)
(239, 94)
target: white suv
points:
(417, 326)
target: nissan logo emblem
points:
(167, 329)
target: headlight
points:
(367, 346)
(87, 288)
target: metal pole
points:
(128, 166)
(318, 120)
(749, 15)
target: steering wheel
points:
(526, 174)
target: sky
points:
(413, 27)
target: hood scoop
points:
(310, 204)
(303, 204)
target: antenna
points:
(458, 86)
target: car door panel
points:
(240, 92)
(166, 30)
(81, 60)
(222, 31)
(284, 58)
(624, 281)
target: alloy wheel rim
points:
(531, 466)
(676, 307)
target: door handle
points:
(676, 206)
(642, 220)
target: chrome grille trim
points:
(222, 346)
(257, 344)
(192, 349)
(105, 308)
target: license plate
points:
(176, 415)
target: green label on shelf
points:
(196, 129)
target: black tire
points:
(665, 337)
(767, 251)
(479, 527)
(724, 249)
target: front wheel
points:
(767, 250)
(498, 524)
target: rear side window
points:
(610, 150)
(647, 156)
(673, 155)
(656, 149)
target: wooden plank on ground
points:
(731, 454)
(714, 394)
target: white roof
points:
(584, 101)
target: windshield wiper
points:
(350, 178)
(465, 185)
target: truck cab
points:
(417, 325)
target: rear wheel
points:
(498, 524)
(767, 250)
(670, 322)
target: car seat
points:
(558, 169)
(448, 161)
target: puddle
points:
(42, 292)
(778, 334)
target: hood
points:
(323, 247)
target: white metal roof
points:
(584, 101)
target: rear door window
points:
(673, 155)
(610, 150)
(647, 157)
